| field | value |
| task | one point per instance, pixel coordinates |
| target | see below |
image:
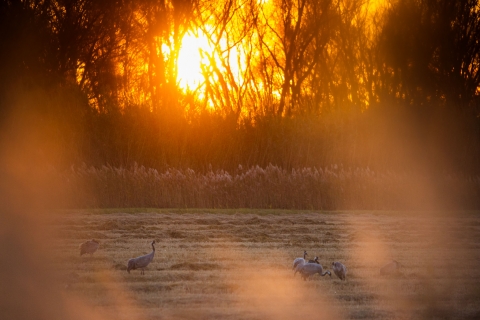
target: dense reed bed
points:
(332, 187)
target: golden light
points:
(190, 61)
(202, 59)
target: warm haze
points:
(238, 131)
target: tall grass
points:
(332, 187)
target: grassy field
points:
(237, 264)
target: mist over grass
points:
(219, 265)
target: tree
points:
(294, 44)
(86, 47)
(431, 52)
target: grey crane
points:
(339, 269)
(297, 268)
(314, 260)
(141, 262)
(390, 268)
(89, 246)
(300, 261)
(309, 269)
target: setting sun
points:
(190, 61)
(199, 60)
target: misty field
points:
(237, 264)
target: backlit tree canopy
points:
(251, 56)
(185, 82)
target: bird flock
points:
(306, 268)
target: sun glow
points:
(200, 61)
(190, 61)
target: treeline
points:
(390, 85)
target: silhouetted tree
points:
(26, 42)
(300, 31)
(431, 52)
